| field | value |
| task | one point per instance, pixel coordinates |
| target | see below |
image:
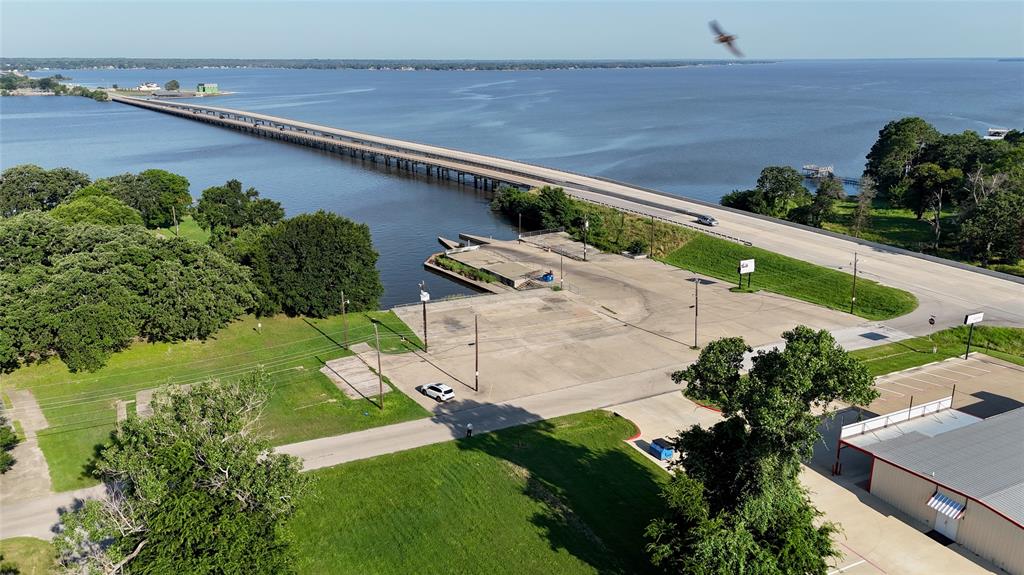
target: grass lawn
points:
(900, 227)
(1006, 343)
(566, 495)
(80, 407)
(188, 229)
(792, 277)
(30, 555)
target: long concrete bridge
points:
(946, 290)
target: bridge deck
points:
(945, 288)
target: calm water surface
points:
(698, 132)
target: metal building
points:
(960, 475)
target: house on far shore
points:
(148, 87)
(206, 88)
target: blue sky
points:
(510, 30)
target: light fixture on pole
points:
(586, 227)
(424, 298)
(344, 316)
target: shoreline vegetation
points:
(26, 64)
(18, 85)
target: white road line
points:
(845, 567)
(941, 376)
(958, 372)
(889, 390)
(907, 386)
(926, 381)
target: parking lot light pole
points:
(696, 307)
(586, 227)
(380, 374)
(424, 298)
(476, 351)
(344, 316)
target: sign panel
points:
(424, 296)
(746, 266)
(973, 318)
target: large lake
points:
(698, 132)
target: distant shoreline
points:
(31, 64)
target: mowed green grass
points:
(1006, 343)
(30, 555)
(792, 277)
(80, 408)
(566, 495)
(187, 228)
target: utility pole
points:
(424, 298)
(380, 375)
(561, 271)
(476, 350)
(652, 238)
(520, 224)
(586, 226)
(853, 294)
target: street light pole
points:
(424, 296)
(380, 375)
(561, 270)
(853, 294)
(344, 316)
(696, 307)
(476, 351)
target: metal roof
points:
(984, 460)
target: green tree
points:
(735, 504)
(556, 208)
(893, 156)
(172, 85)
(191, 489)
(29, 187)
(160, 196)
(304, 263)
(97, 209)
(225, 210)
(995, 229)
(89, 333)
(783, 189)
(8, 439)
(831, 187)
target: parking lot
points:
(985, 386)
(623, 320)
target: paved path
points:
(30, 476)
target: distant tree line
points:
(914, 167)
(335, 64)
(81, 276)
(10, 82)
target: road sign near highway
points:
(746, 266)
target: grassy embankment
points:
(566, 495)
(1006, 343)
(188, 229)
(719, 258)
(900, 227)
(80, 407)
(31, 556)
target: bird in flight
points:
(722, 38)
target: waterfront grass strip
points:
(792, 277)
(567, 495)
(304, 404)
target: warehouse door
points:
(946, 525)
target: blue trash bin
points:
(662, 449)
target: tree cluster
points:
(30, 187)
(191, 489)
(780, 193)
(82, 291)
(546, 208)
(161, 197)
(52, 84)
(302, 265)
(920, 169)
(735, 503)
(8, 439)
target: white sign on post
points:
(746, 266)
(424, 296)
(973, 318)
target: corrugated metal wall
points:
(906, 492)
(980, 530)
(992, 537)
